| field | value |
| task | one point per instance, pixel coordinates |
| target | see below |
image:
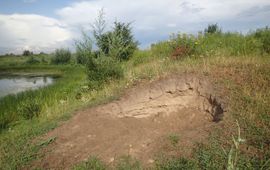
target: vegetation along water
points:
(238, 65)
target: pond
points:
(16, 84)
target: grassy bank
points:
(237, 64)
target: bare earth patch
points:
(138, 124)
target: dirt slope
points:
(138, 124)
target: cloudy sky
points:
(44, 25)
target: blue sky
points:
(41, 7)
(44, 25)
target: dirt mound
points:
(138, 124)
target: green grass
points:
(92, 163)
(238, 65)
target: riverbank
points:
(238, 73)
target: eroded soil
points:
(138, 124)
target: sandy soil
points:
(138, 124)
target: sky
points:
(44, 25)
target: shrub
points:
(212, 29)
(62, 56)
(263, 35)
(27, 53)
(183, 45)
(103, 69)
(118, 43)
(32, 60)
(162, 49)
(121, 42)
(83, 49)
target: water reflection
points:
(16, 84)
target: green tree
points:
(212, 29)
(83, 49)
(27, 53)
(62, 56)
(118, 43)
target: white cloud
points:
(152, 20)
(35, 32)
(158, 18)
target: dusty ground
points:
(138, 124)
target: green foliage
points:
(119, 43)
(128, 163)
(161, 49)
(141, 57)
(184, 44)
(234, 153)
(30, 109)
(83, 49)
(210, 157)
(212, 29)
(113, 46)
(176, 163)
(103, 69)
(174, 139)
(32, 60)
(62, 56)
(27, 53)
(57, 102)
(263, 35)
(91, 164)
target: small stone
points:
(111, 160)
(151, 161)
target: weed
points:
(30, 109)
(174, 139)
(176, 163)
(128, 163)
(234, 151)
(47, 142)
(92, 163)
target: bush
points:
(62, 56)
(103, 69)
(183, 45)
(263, 35)
(118, 43)
(212, 29)
(27, 53)
(162, 49)
(32, 60)
(83, 49)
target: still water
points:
(16, 84)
